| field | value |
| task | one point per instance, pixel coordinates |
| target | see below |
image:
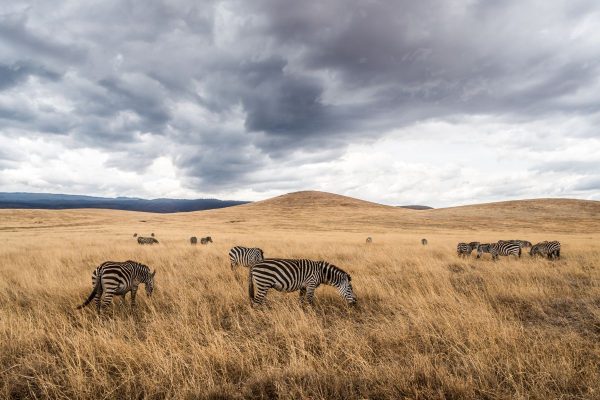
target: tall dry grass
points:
(428, 325)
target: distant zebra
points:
(291, 275)
(193, 240)
(245, 256)
(116, 279)
(369, 240)
(546, 249)
(500, 249)
(465, 249)
(424, 242)
(135, 235)
(146, 240)
(206, 240)
(152, 234)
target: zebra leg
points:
(310, 294)
(259, 296)
(302, 294)
(133, 293)
(106, 300)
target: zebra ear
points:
(153, 273)
(349, 277)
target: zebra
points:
(424, 242)
(152, 234)
(135, 235)
(369, 240)
(465, 249)
(206, 240)
(113, 278)
(291, 275)
(244, 256)
(547, 249)
(193, 240)
(146, 240)
(500, 249)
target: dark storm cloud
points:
(226, 89)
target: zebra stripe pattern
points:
(546, 249)
(465, 249)
(146, 240)
(113, 278)
(245, 256)
(303, 275)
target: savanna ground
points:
(428, 324)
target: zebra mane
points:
(333, 269)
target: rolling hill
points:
(321, 211)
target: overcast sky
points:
(401, 102)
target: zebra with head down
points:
(303, 275)
(146, 240)
(547, 249)
(116, 279)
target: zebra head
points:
(150, 283)
(339, 279)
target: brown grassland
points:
(428, 324)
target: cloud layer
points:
(437, 102)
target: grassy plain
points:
(428, 325)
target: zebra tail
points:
(250, 286)
(92, 295)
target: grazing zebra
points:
(465, 249)
(146, 240)
(424, 242)
(193, 240)
(546, 249)
(500, 249)
(205, 240)
(369, 240)
(135, 235)
(291, 275)
(522, 243)
(245, 256)
(116, 279)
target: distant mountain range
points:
(66, 201)
(417, 207)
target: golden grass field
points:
(428, 324)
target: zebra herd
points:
(551, 249)
(285, 275)
(153, 240)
